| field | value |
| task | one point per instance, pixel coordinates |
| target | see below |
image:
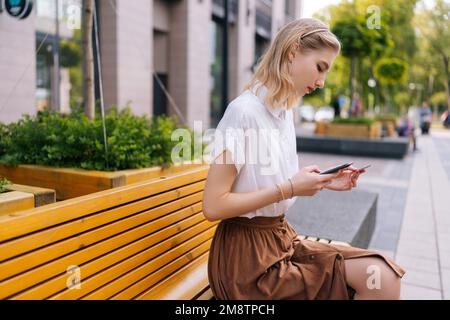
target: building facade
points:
(158, 57)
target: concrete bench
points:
(343, 216)
(395, 148)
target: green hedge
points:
(386, 117)
(355, 120)
(58, 140)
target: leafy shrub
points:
(355, 120)
(386, 117)
(73, 140)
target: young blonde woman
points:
(255, 253)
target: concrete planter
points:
(21, 197)
(321, 128)
(70, 183)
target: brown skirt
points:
(262, 258)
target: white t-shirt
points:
(267, 135)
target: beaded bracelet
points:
(292, 187)
(280, 192)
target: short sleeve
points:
(230, 135)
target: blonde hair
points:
(273, 68)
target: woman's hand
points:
(308, 181)
(345, 180)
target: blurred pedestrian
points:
(355, 108)
(425, 118)
(407, 129)
(337, 106)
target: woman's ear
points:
(293, 52)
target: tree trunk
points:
(88, 53)
(446, 61)
(388, 108)
(352, 79)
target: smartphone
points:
(336, 169)
(365, 167)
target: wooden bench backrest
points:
(123, 243)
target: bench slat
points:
(151, 246)
(30, 260)
(46, 237)
(53, 268)
(147, 275)
(184, 284)
(206, 295)
(137, 264)
(28, 221)
(155, 278)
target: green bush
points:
(73, 140)
(3, 184)
(386, 117)
(354, 120)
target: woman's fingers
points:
(327, 178)
(313, 168)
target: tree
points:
(359, 42)
(88, 53)
(391, 71)
(436, 30)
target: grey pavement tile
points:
(412, 292)
(444, 258)
(420, 233)
(422, 278)
(444, 247)
(417, 226)
(414, 250)
(420, 264)
(446, 283)
(418, 237)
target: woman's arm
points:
(220, 203)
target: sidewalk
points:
(413, 217)
(424, 245)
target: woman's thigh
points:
(372, 275)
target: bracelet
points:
(292, 187)
(280, 192)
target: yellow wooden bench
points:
(148, 240)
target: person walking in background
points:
(407, 129)
(425, 118)
(355, 108)
(337, 106)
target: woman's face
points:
(309, 69)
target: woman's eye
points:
(319, 68)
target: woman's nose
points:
(320, 83)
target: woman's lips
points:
(309, 90)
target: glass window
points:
(58, 57)
(216, 54)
